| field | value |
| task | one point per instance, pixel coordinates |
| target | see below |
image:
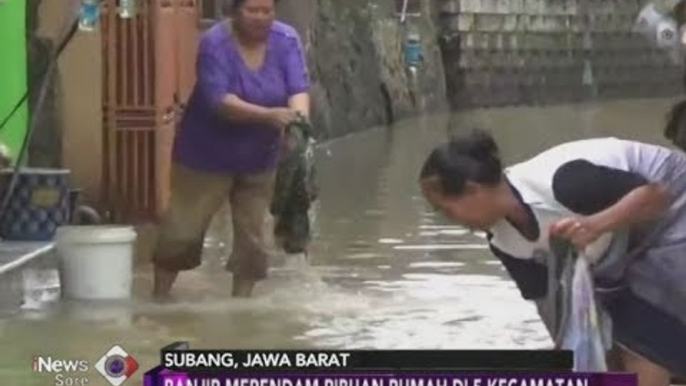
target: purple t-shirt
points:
(207, 142)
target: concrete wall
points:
(504, 52)
(478, 53)
(356, 62)
(70, 132)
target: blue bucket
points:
(413, 52)
(40, 204)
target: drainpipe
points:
(403, 14)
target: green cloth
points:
(295, 188)
(13, 81)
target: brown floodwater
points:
(384, 272)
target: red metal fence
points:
(147, 77)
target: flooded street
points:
(385, 271)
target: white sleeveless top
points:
(534, 181)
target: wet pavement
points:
(385, 272)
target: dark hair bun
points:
(470, 158)
(479, 145)
(483, 145)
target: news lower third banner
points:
(181, 366)
(399, 379)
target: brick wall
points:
(512, 52)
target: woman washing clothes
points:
(251, 84)
(580, 191)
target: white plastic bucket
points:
(96, 261)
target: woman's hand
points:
(280, 117)
(642, 204)
(580, 231)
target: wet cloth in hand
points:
(295, 187)
(583, 326)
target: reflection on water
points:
(385, 271)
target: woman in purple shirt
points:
(251, 82)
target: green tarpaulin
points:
(13, 82)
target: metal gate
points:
(148, 74)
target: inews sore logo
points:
(116, 366)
